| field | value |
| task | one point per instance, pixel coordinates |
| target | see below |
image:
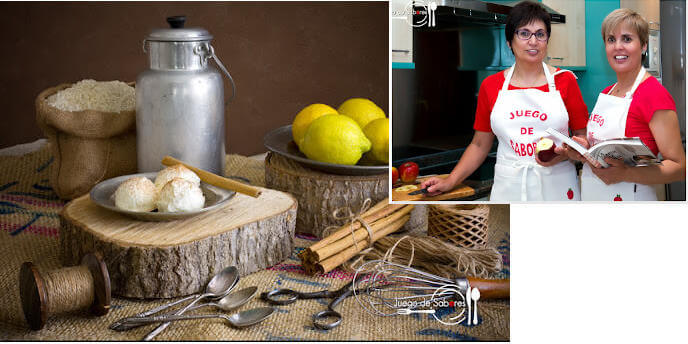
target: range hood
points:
(452, 12)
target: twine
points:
(431, 255)
(345, 213)
(69, 289)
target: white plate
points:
(103, 195)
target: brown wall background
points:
(282, 56)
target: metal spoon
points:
(219, 286)
(227, 303)
(229, 274)
(241, 319)
(234, 300)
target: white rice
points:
(106, 96)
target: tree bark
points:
(171, 259)
(320, 194)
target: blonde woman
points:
(637, 105)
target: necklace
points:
(618, 90)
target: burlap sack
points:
(88, 146)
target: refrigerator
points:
(672, 14)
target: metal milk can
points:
(180, 100)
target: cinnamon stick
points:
(359, 235)
(340, 258)
(214, 179)
(369, 216)
(379, 210)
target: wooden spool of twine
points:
(64, 290)
(463, 225)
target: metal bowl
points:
(280, 141)
(103, 194)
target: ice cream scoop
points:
(180, 195)
(176, 171)
(136, 194)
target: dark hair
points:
(524, 13)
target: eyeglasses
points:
(525, 35)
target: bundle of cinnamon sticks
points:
(340, 246)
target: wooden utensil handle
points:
(214, 179)
(490, 289)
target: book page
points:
(633, 153)
(569, 141)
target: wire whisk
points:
(387, 289)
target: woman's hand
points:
(437, 185)
(665, 129)
(472, 157)
(613, 174)
(572, 153)
(557, 159)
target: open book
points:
(633, 151)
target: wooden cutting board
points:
(175, 258)
(459, 191)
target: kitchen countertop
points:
(482, 189)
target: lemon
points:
(361, 110)
(377, 131)
(304, 118)
(335, 139)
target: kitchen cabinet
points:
(566, 47)
(402, 33)
(649, 9)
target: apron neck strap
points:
(638, 79)
(548, 76)
(507, 78)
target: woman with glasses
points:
(517, 106)
(637, 105)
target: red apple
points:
(545, 149)
(408, 172)
(395, 175)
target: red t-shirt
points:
(564, 82)
(649, 97)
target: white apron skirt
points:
(519, 119)
(608, 121)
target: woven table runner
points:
(29, 226)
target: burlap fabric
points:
(30, 227)
(88, 146)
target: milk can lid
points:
(177, 32)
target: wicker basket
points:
(463, 225)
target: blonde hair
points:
(627, 16)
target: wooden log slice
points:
(319, 193)
(170, 259)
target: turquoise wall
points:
(597, 74)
